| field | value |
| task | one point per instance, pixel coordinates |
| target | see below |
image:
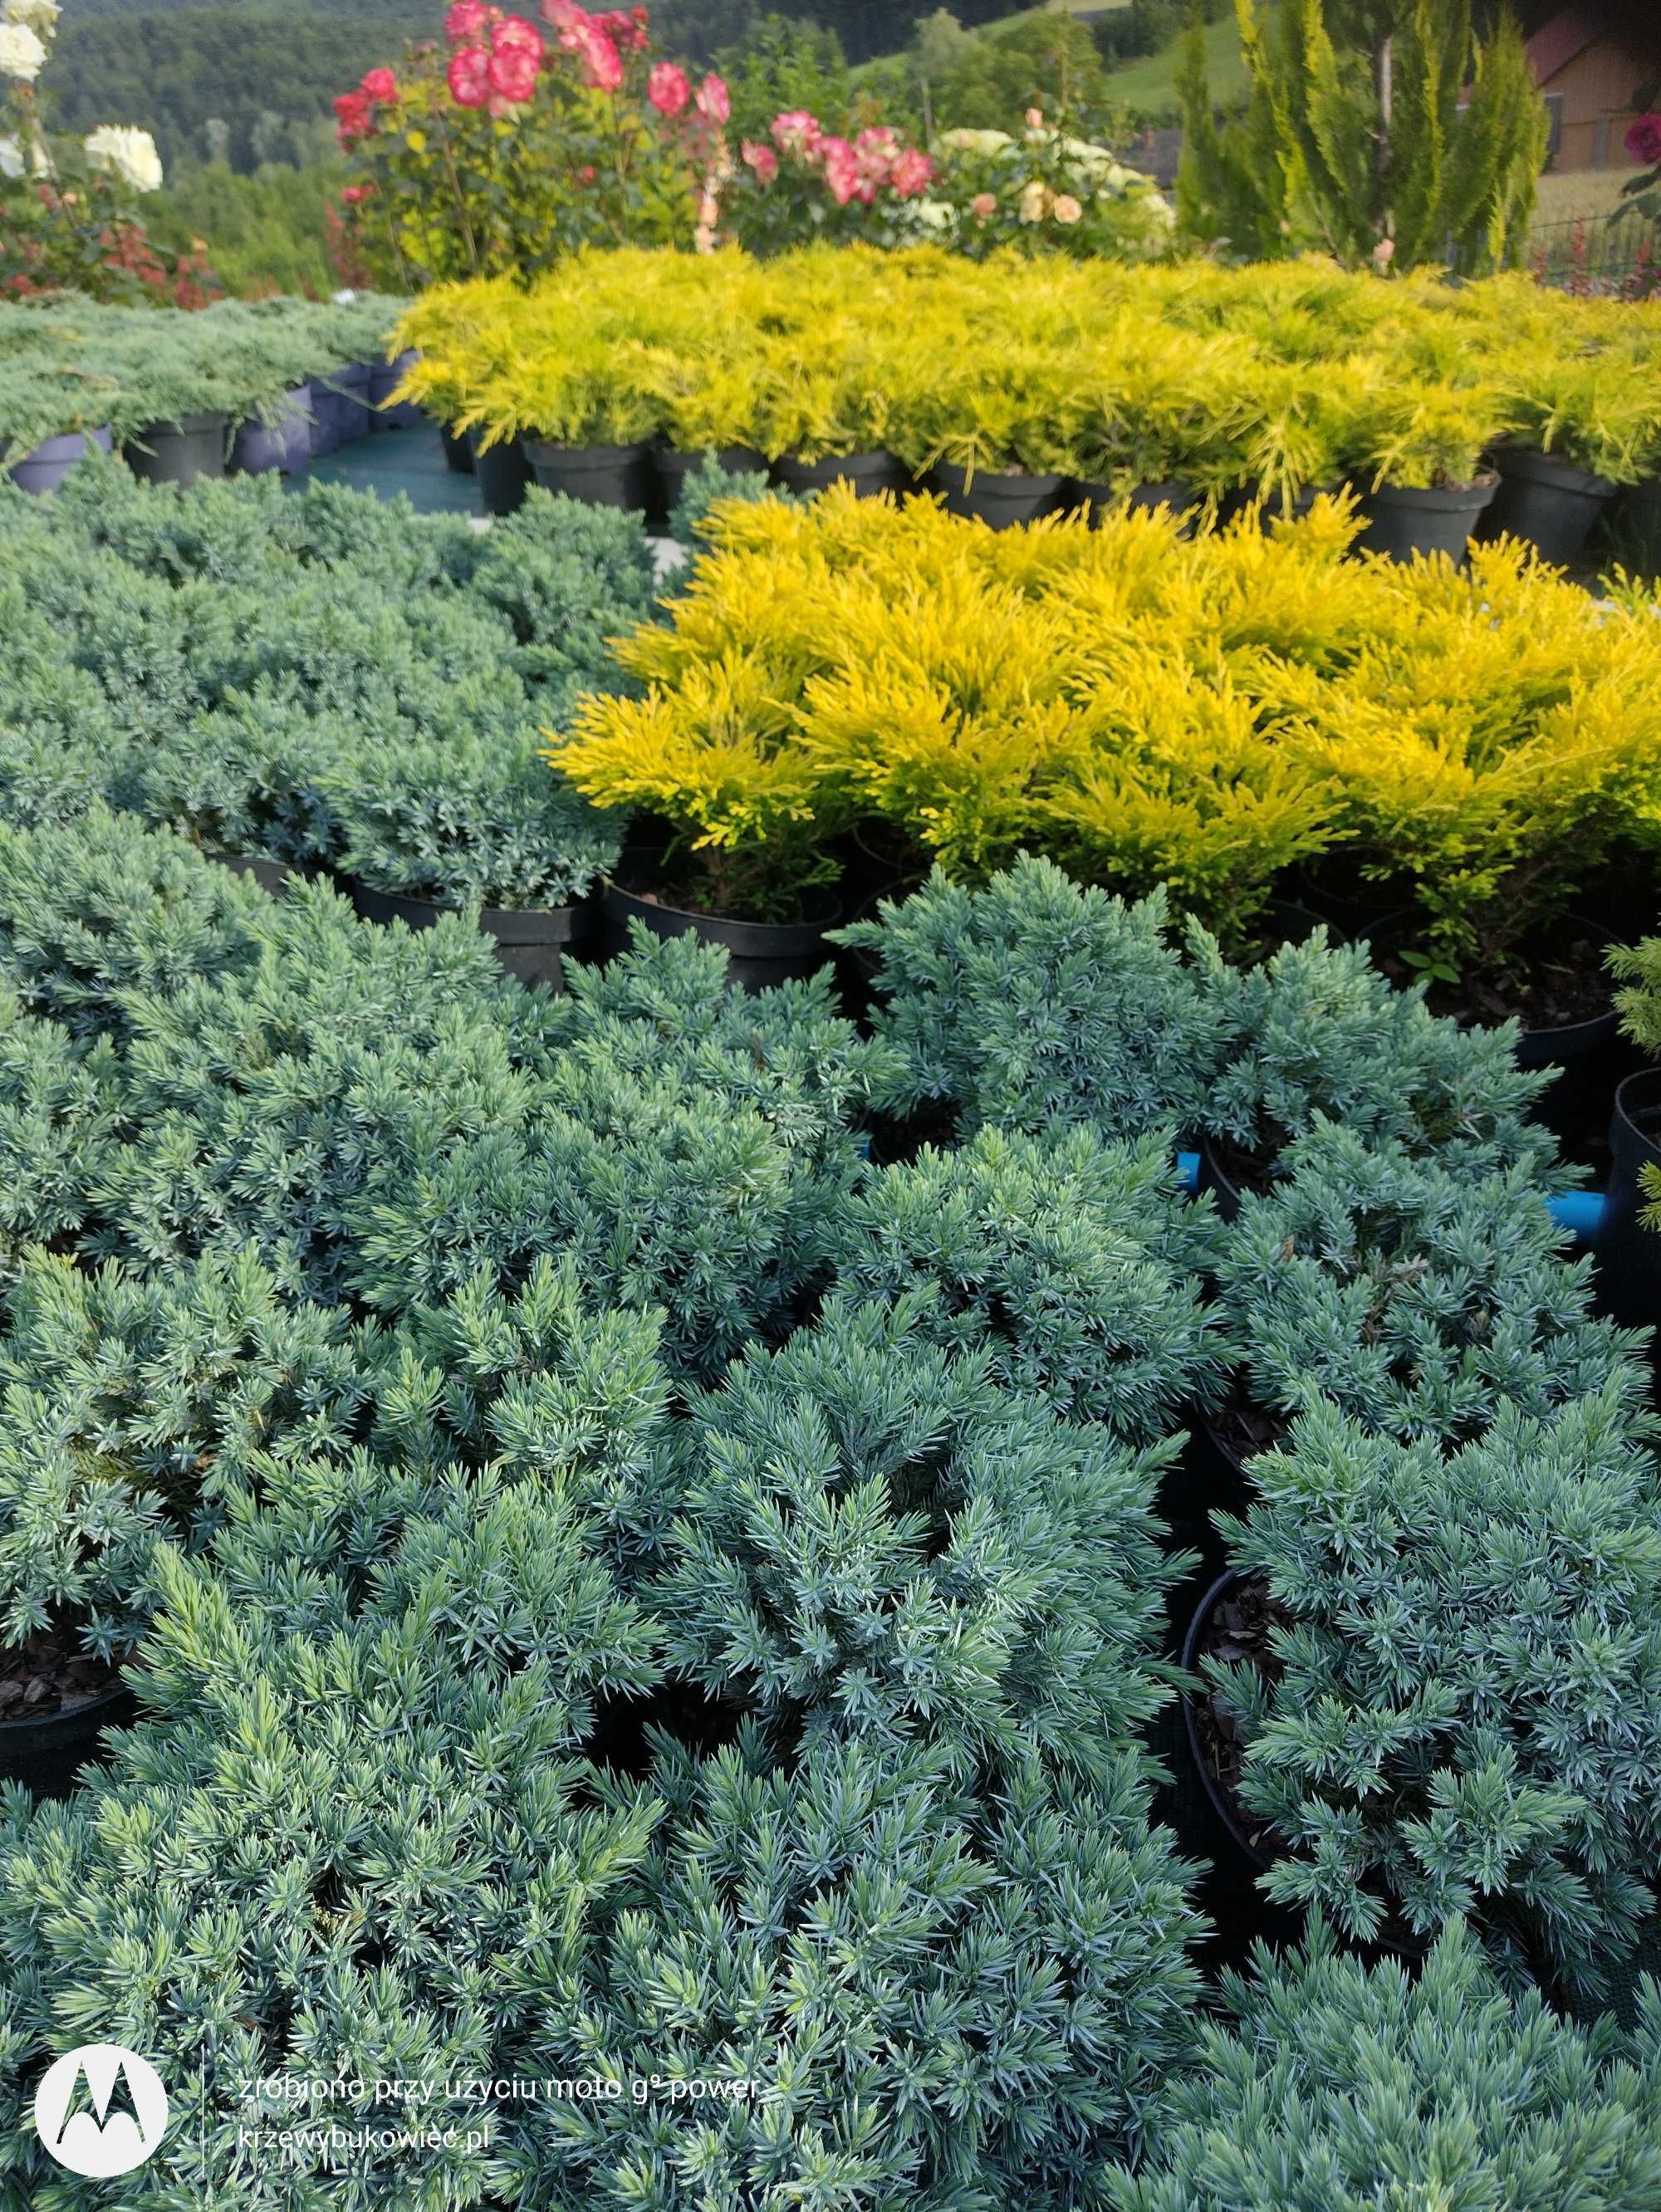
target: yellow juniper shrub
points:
(1205, 713)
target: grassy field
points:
(1150, 83)
(1587, 193)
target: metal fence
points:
(1612, 257)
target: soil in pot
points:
(56, 1701)
(674, 902)
(501, 473)
(1628, 1254)
(1001, 497)
(1406, 525)
(868, 473)
(1551, 505)
(530, 943)
(45, 469)
(602, 476)
(284, 445)
(1555, 983)
(178, 452)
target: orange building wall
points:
(1596, 86)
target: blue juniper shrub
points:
(1463, 1711)
(1381, 2087)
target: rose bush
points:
(65, 220)
(1644, 144)
(802, 181)
(1044, 191)
(509, 145)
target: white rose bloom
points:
(40, 16)
(125, 153)
(21, 54)
(11, 158)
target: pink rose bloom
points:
(1644, 140)
(1384, 252)
(469, 77)
(623, 29)
(875, 150)
(983, 204)
(714, 102)
(795, 132)
(465, 21)
(842, 169)
(512, 34)
(910, 174)
(668, 89)
(602, 62)
(379, 85)
(762, 159)
(355, 195)
(1035, 118)
(568, 18)
(1067, 209)
(513, 77)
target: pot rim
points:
(1208, 1780)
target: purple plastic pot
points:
(45, 468)
(284, 445)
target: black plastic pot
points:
(1638, 516)
(458, 454)
(384, 376)
(272, 876)
(45, 469)
(1628, 1255)
(178, 452)
(868, 473)
(1176, 496)
(602, 476)
(1546, 501)
(530, 944)
(1404, 524)
(1002, 498)
(1227, 1820)
(1275, 506)
(673, 467)
(1215, 1178)
(284, 445)
(46, 1754)
(501, 473)
(759, 953)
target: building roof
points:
(1556, 44)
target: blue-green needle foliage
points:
(1419, 1300)
(878, 1542)
(1463, 1711)
(1073, 1263)
(1326, 2085)
(1032, 1004)
(315, 678)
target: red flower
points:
(355, 195)
(352, 118)
(762, 159)
(714, 102)
(1644, 140)
(624, 27)
(380, 86)
(667, 88)
(512, 77)
(469, 77)
(842, 169)
(465, 21)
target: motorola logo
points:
(100, 2110)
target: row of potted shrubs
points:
(838, 694)
(253, 385)
(639, 1590)
(1019, 384)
